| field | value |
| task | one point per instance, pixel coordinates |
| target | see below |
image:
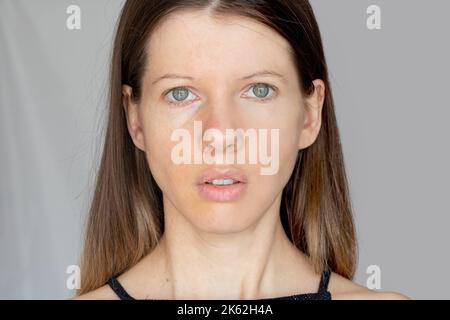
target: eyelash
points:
(263, 100)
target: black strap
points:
(323, 286)
(123, 294)
(118, 289)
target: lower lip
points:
(222, 193)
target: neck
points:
(250, 264)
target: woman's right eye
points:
(178, 96)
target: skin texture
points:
(225, 250)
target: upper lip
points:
(226, 173)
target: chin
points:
(223, 218)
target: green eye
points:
(261, 90)
(180, 93)
(180, 96)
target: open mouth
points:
(222, 185)
(222, 182)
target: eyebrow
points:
(262, 73)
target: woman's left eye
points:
(262, 91)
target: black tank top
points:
(321, 294)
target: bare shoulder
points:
(344, 289)
(102, 293)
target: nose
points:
(219, 115)
(220, 119)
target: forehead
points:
(197, 42)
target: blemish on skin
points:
(180, 116)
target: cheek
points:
(289, 140)
(289, 124)
(158, 145)
(176, 181)
(287, 118)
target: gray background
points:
(391, 89)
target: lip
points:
(225, 192)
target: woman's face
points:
(209, 62)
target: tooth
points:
(228, 181)
(221, 182)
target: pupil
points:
(260, 90)
(180, 94)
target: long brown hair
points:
(126, 218)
